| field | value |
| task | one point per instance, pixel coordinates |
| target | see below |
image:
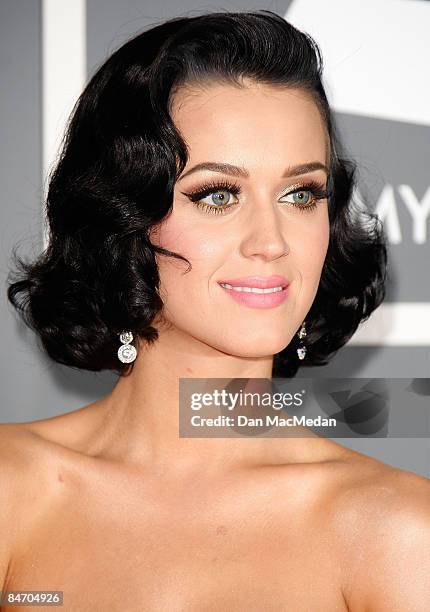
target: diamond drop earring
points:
(126, 352)
(301, 350)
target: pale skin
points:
(110, 506)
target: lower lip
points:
(258, 300)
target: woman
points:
(205, 141)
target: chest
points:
(236, 548)
(180, 567)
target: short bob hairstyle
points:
(120, 159)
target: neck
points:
(140, 423)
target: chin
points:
(257, 345)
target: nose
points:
(262, 235)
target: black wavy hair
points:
(114, 180)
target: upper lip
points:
(262, 282)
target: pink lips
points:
(258, 300)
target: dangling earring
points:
(301, 351)
(126, 352)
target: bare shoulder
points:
(23, 475)
(33, 458)
(11, 464)
(27, 459)
(32, 449)
(382, 516)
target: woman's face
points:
(259, 225)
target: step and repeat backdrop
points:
(376, 55)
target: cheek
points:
(202, 249)
(311, 253)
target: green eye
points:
(300, 199)
(316, 191)
(220, 193)
(217, 200)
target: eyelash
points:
(319, 193)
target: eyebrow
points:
(240, 171)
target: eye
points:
(306, 196)
(301, 199)
(218, 196)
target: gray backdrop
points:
(389, 152)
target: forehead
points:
(251, 123)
